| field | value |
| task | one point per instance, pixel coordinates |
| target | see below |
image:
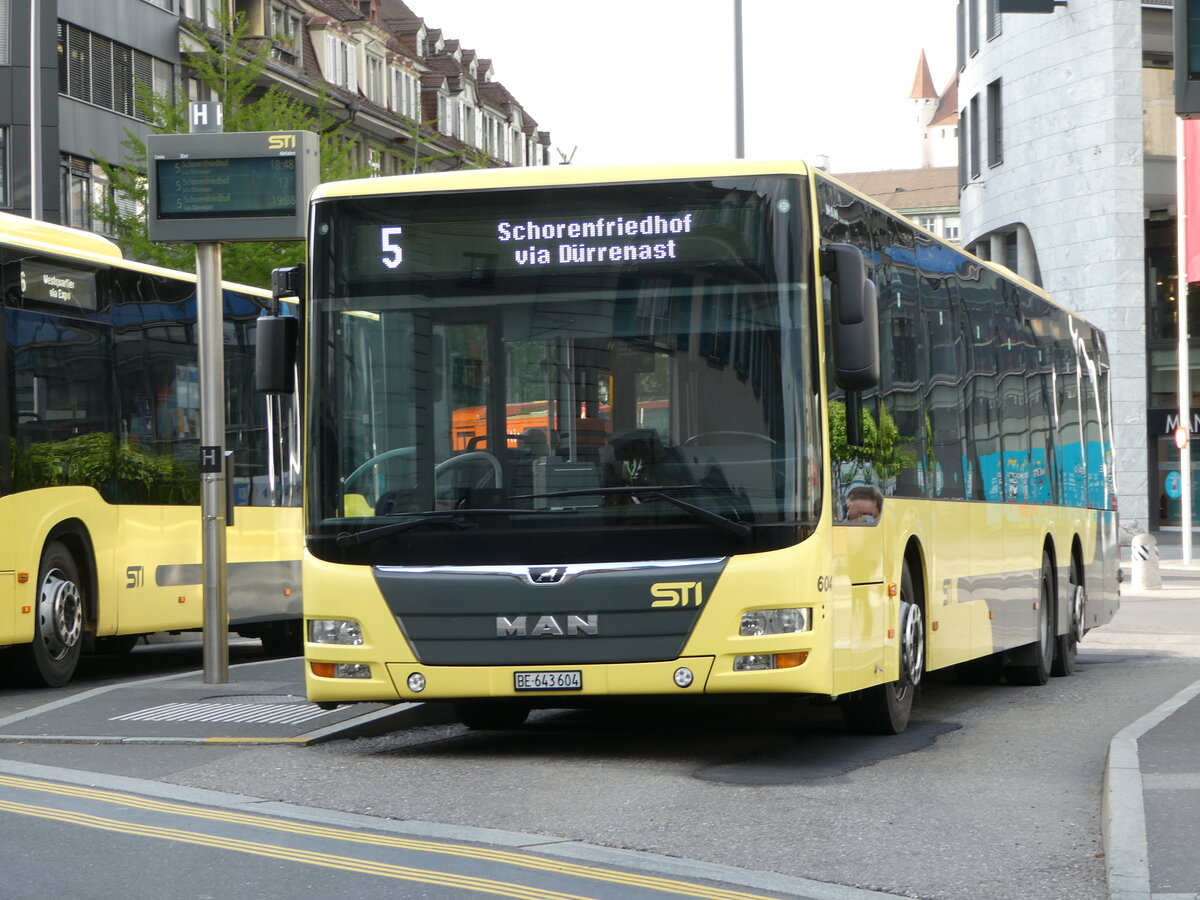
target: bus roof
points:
(549, 176)
(61, 240)
(23, 230)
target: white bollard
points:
(1143, 562)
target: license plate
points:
(548, 681)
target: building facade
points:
(1066, 175)
(414, 100)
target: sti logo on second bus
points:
(677, 593)
(281, 142)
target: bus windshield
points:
(563, 374)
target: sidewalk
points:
(1152, 775)
(263, 703)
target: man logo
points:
(547, 576)
(282, 142)
(677, 593)
(547, 625)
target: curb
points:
(1126, 852)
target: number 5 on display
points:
(392, 248)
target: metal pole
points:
(738, 82)
(210, 328)
(1181, 298)
(35, 113)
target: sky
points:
(625, 81)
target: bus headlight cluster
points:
(761, 662)
(341, 670)
(757, 622)
(334, 631)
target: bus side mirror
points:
(855, 318)
(276, 341)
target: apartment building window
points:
(338, 67)
(929, 223)
(285, 31)
(83, 185)
(964, 129)
(995, 124)
(4, 26)
(950, 231)
(975, 137)
(206, 12)
(375, 90)
(98, 70)
(995, 23)
(4, 167)
(972, 27)
(404, 93)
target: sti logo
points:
(677, 593)
(281, 142)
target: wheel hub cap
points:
(60, 613)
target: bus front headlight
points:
(757, 622)
(334, 631)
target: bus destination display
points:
(58, 284)
(210, 188)
(548, 246)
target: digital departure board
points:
(242, 186)
(253, 186)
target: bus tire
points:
(886, 708)
(51, 657)
(1066, 646)
(491, 715)
(284, 638)
(1034, 661)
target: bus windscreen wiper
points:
(440, 516)
(657, 492)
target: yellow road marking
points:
(327, 860)
(649, 882)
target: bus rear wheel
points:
(1066, 647)
(1036, 660)
(886, 708)
(51, 658)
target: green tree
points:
(230, 68)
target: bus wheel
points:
(117, 644)
(491, 715)
(1066, 646)
(58, 633)
(1040, 652)
(886, 708)
(284, 638)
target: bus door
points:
(859, 516)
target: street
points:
(993, 792)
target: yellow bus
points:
(99, 451)
(793, 444)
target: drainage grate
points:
(258, 713)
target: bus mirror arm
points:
(853, 419)
(855, 318)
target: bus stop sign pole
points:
(209, 324)
(206, 118)
(207, 187)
